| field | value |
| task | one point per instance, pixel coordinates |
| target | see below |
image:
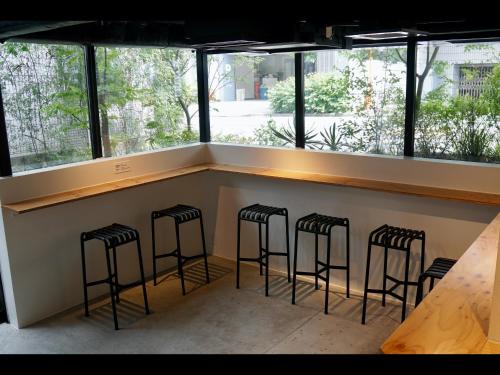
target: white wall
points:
(450, 226)
(40, 253)
(42, 250)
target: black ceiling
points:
(269, 33)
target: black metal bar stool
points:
(437, 270)
(397, 239)
(181, 214)
(113, 236)
(320, 225)
(260, 214)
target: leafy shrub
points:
(323, 92)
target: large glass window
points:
(458, 101)
(45, 104)
(252, 98)
(147, 98)
(355, 100)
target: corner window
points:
(147, 98)
(45, 103)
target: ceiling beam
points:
(9, 29)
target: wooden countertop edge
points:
(360, 183)
(86, 192)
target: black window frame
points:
(203, 96)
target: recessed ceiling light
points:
(380, 36)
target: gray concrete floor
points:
(214, 318)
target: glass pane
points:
(147, 98)
(458, 101)
(252, 99)
(355, 100)
(45, 103)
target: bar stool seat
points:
(112, 236)
(181, 214)
(261, 215)
(437, 270)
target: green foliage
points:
(332, 138)
(432, 130)
(266, 134)
(287, 134)
(323, 93)
(341, 138)
(282, 96)
(471, 127)
(233, 138)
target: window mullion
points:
(299, 101)
(93, 104)
(203, 95)
(411, 77)
(5, 164)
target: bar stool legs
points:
(153, 241)
(405, 286)
(207, 275)
(267, 258)
(261, 214)
(111, 289)
(367, 276)
(348, 261)
(260, 248)
(327, 281)
(84, 273)
(395, 239)
(238, 251)
(294, 283)
(181, 214)
(179, 258)
(287, 246)
(115, 269)
(143, 279)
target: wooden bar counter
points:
(282, 174)
(454, 317)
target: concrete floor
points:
(214, 318)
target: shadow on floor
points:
(279, 287)
(128, 313)
(346, 308)
(194, 275)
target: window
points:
(147, 98)
(472, 79)
(252, 98)
(45, 103)
(355, 100)
(458, 101)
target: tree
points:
(430, 59)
